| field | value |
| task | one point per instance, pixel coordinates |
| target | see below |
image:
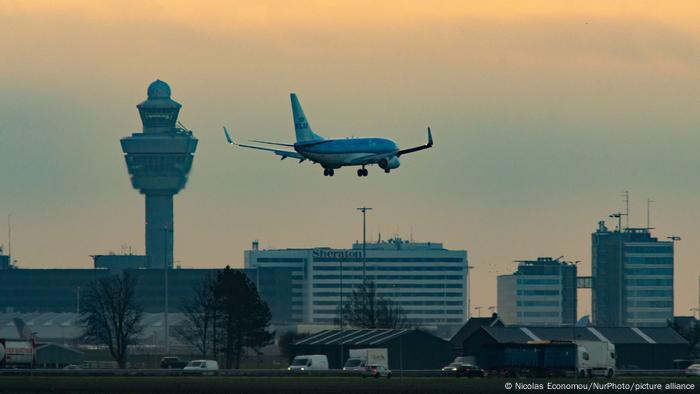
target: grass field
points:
(208, 385)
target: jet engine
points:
(389, 163)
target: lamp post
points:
(364, 240)
(342, 317)
(674, 239)
(166, 268)
(469, 290)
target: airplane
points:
(333, 154)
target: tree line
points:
(224, 316)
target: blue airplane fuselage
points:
(335, 153)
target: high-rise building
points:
(159, 160)
(632, 278)
(429, 282)
(541, 292)
(4, 261)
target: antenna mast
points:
(649, 201)
(627, 208)
(9, 236)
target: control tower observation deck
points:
(159, 160)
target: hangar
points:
(408, 349)
(635, 347)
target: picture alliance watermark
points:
(601, 386)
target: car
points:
(172, 363)
(693, 370)
(205, 367)
(354, 366)
(461, 369)
(376, 371)
(72, 367)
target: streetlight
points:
(673, 239)
(469, 290)
(364, 240)
(165, 270)
(342, 317)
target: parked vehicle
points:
(17, 353)
(72, 367)
(173, 363)
(462, 369)
(311, 362)
(597, 358)
(550, 358)
(693, 370)
(376, 371)
(205, 367)
(361, 358)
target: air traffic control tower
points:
(159, 160)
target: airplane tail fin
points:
(23, 329)
(301, 124)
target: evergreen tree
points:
(243, 316)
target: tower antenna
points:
(9, 236)
(649, 201)
(626, 194)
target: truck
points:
(361, 358)
(598, 358)
(17, 353)
(549, 358)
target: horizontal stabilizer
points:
(283, 153)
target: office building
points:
(429, 282)
(632, 278)
(4, 261)
(541, 292)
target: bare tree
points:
(368, 309)
(200, 311)
(111, 315)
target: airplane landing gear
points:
(362, 172)
(387, 170)
(328, 172)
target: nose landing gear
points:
(362, 172)
(328, 172)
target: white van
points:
(312, 362)
(202, 366)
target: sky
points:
(543, 113)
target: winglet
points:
(228, 137)
(430, 137)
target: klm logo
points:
(301, 123)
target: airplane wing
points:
(417, 148)
(370, 159)
(283, 153)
